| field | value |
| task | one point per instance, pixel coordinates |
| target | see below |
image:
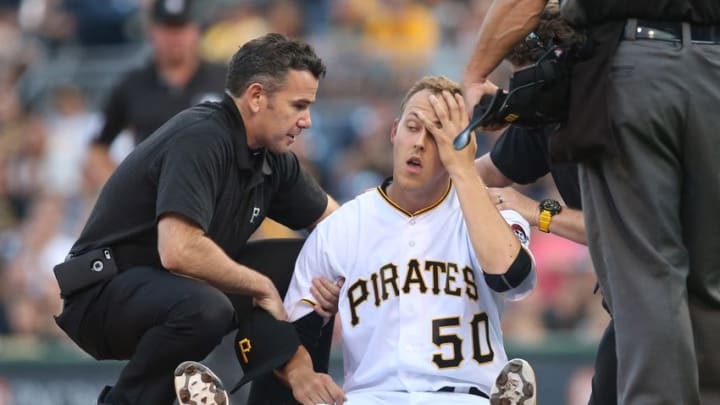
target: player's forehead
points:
(419, 102)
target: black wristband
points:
(514, 276)
(309, 329)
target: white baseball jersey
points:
(415, 310)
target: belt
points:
(465, 390)
(671, 31)
(133, 255)
(127, 256)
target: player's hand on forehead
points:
(447, 106)
(450, 112)
(452, 118)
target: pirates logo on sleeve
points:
(520, 233)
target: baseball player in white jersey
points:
(427, 262)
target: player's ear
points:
(393, 130)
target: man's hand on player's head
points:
(327, 295)
(473, 92)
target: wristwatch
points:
(548, 208)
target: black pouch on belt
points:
(84, 270)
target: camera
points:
(538, 94)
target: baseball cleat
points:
(515, 385)
(195, 384)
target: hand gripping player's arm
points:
(569, 223)
(308, 386)
(185, 249)
(501, 252)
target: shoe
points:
(195, 384)
(515, 385)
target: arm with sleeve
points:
(191, 177)
(316, 259)
(521, 154)
(116, 116)
(298, 200)
(521, 277)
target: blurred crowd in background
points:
(59, 58)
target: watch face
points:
(551, 205)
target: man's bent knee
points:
(208, 313)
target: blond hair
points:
(435, 84)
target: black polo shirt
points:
(581, 12)
(198, 165)
(523, 156)
(142, 101)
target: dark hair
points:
(552, 30)
(267, 60)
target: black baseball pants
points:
(604, 382)
(153, 318)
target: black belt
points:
(671, 31)
(127, 255)
(463, 390)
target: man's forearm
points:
(569, 224)
(309, 387)
(301, 360)
(207, 261)
(185, 250)
(506, 23)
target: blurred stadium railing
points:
(33, 373)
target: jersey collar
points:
(382, 190)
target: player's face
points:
(286, 112)
(416, 162)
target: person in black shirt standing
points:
(522, 155)
(174, 79)
(643, 122)
(179, 208)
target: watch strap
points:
(544, 221)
